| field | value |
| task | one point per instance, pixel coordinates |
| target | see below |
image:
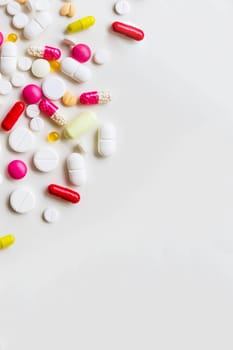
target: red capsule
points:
(127, 30)
(64, 193)
(13, 115)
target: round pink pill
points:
(17, 169)
(81, 53)
(32, 93)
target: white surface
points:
(144, 261)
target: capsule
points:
(80, 24)
(80, 125)
(128, 30)
(52, 111)
(6, 241)
(95, 98)
(64, 193)
(46, 52)
(8, 58)
(13, 115)
(75, 70)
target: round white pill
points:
(50, 215)
(40, 68)
(101, 56)
(37, 124)
(18, 80)
(20, 140)
(53, 87)
(24, 63)
(42, 5)
(20, 20)
(13, 8)
(46, 160)
(122, 7)
(32, 111)
(22, 200)
(5, 87)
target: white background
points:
(144, 261)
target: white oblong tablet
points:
(22, 200)
(20, 20)
(53, 87)
(122, 7)
(40, 68)
(24, 63)
(13, 8)
(8, 58)
(32, 111)
(37, 25)
(5, 87)
(50, 215)
(46, 159)
(37, 124)
(76, 169)
(101, 56)
(20, 140)
(75, 70)
(18, 80)
(107, 140)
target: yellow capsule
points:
(53, 136)
(12, 37)
(6, 241)
(80, 24)
(54, 66)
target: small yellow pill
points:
(6, 241)
(12, 37)
(80, 24)
(53, 136)
(54, 66)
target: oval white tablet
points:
(76, 169)
(46, 160)
(107, 140)
(5, 87)
(20, 140)
(22, 200)
(24, 63)
(20, 20)
(13, 8)
(53, 87)
(32, 111)
(101, 56)
(37, 124)
(50, 215)
(122, 7)
(40, 68)
(18, 80)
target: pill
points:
(69, 99)
(13, 115)
(46, 160)
(18, 79)
(76, 169)
(107, 140)
(128, 30)
(37, 25)
(13, 8)
(101, 56)
(54, 66)
(94, 97)
(24, 63)
(81, 53)
(50, 215)
(6, 241)
(32, 111)
(20, 20)
(8, 58)
(75, 70)
(12, 37)
(53, 136)
(122, 7)
(80, 24)
(52, 111)
(64, 193)
(1, 38)
(36, 124)
(80, 125)
(46, 52)
(17, 169)
(40, 68)
(22, 200)
(53, 87)
(20, 140)
(32, 93)
(5, 87)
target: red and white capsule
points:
(128, 30)
(52, 111)
(46, 52)
(95, 98)
(64, 193)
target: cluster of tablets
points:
(38, 100)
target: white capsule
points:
(37, 25)
(76, 169)
(107, 140)
(75, 70)
(8, 58)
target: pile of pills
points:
(38, 101)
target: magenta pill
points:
(32, 93)
(1, 38)
(81, 53)
(17, 169)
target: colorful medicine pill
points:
(52, 112)
(80, 24)
(64, 193)
(128, 30)
(46, 52)
(81, 53)
(32, 93)
(95, 98)
(80, 125)
(17, 169)
(6, 241)
(13, 115)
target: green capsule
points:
(80, 125)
